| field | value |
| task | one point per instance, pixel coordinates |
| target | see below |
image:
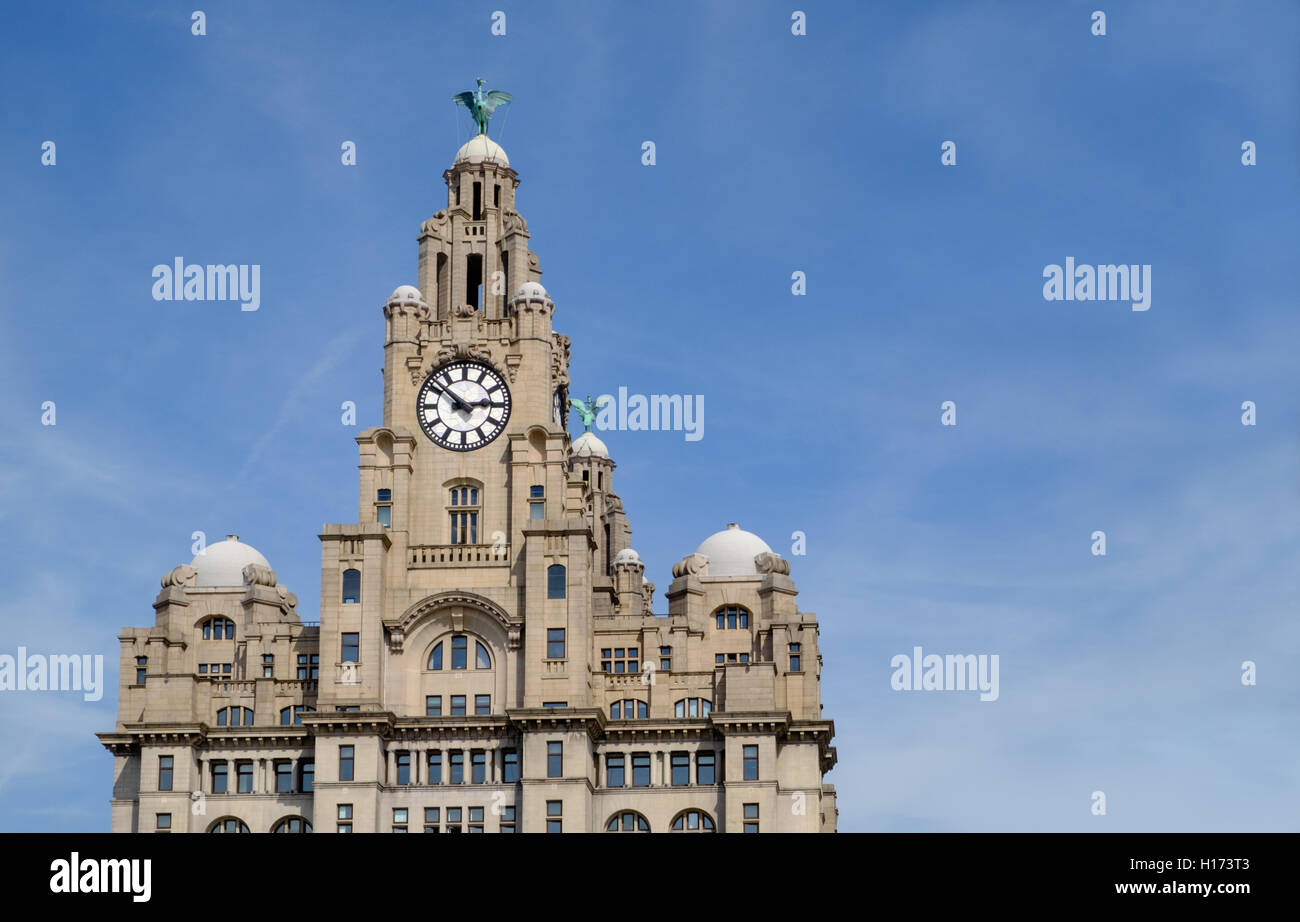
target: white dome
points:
(588, 444)
(222, 564)
(531, 291)
(627, 555)
(731, 552)
(406, 293)
(482, 149)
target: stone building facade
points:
(486, 658)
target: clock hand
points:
(456, 400)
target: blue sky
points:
(775, 153)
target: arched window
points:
(693, 821)
(464, 508)
(555, 580)
(351, 586)
(293, 715)
(435, 658)
(460, 654)
(218, 629)
(482, 659)
(692, 707)
(628, 709)
(292, 824)
(731, 617)
(627, 821)
(230, 717)
(228, 824)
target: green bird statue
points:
(481, 105)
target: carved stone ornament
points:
(513, 638)
(513, 222)
(768, 562)
(180, 576)
(257, 575)
(692, 565)
(288, 601)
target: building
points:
(487, 658)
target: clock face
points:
(463, 405)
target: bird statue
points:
(587, 410)
(481, 105)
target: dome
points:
(406, 293)
(627, 555)
(731, 552)
(482, 149)
(531, 291)
(588, 445)
(222, 564)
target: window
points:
(731, 658)
(164, 773)
(435, 658)
(435, 768)
(457, 705)
(228, 824)
(705, 768)
(478, 767)
(351, 644)
(244, 777)
(464, 515)
(141, 662)
(508, 819)
(214, 669)
(665, 659)
(283, 776)
(555, 704)
(751, 817)
(692, 821)
(537, 491)
(347, 708)
(482, 659)
(219, 778)
(457, 760)
(459, 646)
(510, 766)
(433, 706)
(555, 643)
(431, 818)
(627, 821)
(751, 763)
(692, 707)
(231, 717)
(555, 581)
(453, 819)
(628, 709)
(308, 666)
(347, 758)
(384, 508)
(640, 769)
(555, 816)
(795, 657)
(306, 777)
(345, 817)
(399, 819)
(268, 666)
(351, 586)
(218, 629)
(620, 660)
(554, 759)
(614, 770)
(293, 715)
(537, 502)
(475, 819)
(403, 768)
(681, 769)
(730, 617)
(482, 704)
(162, 822)
(292, 824)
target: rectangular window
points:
(751, 763)
(665, 659)
(537, 511)
(219, 778)
(384, 516)
(164, 773)
(508, 819)
(162, 822)
(705, 768)
(283, 777)
(435, 768)
(457, 758)
(403, 768)
(478, 767)
(681, 766)
(308, 666)
(555, 643)
(751, 817)
(268, 666)
(432, 818)
(482, 704)
(475, 819)
(307, 777)
(351, 648)
(556, 581)
(459, 649)
(614, 770)
(554, 759)
(399, 819)
(555, 704)
(457, 705)
(510, 766)
(141, 662)
(555, 816)
(346, 759)
(345, 818)
(536, 491)
(453, 819)
(433, 706)
(640, 769)
(795, 657)
(244, 774)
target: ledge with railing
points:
(458, 555)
